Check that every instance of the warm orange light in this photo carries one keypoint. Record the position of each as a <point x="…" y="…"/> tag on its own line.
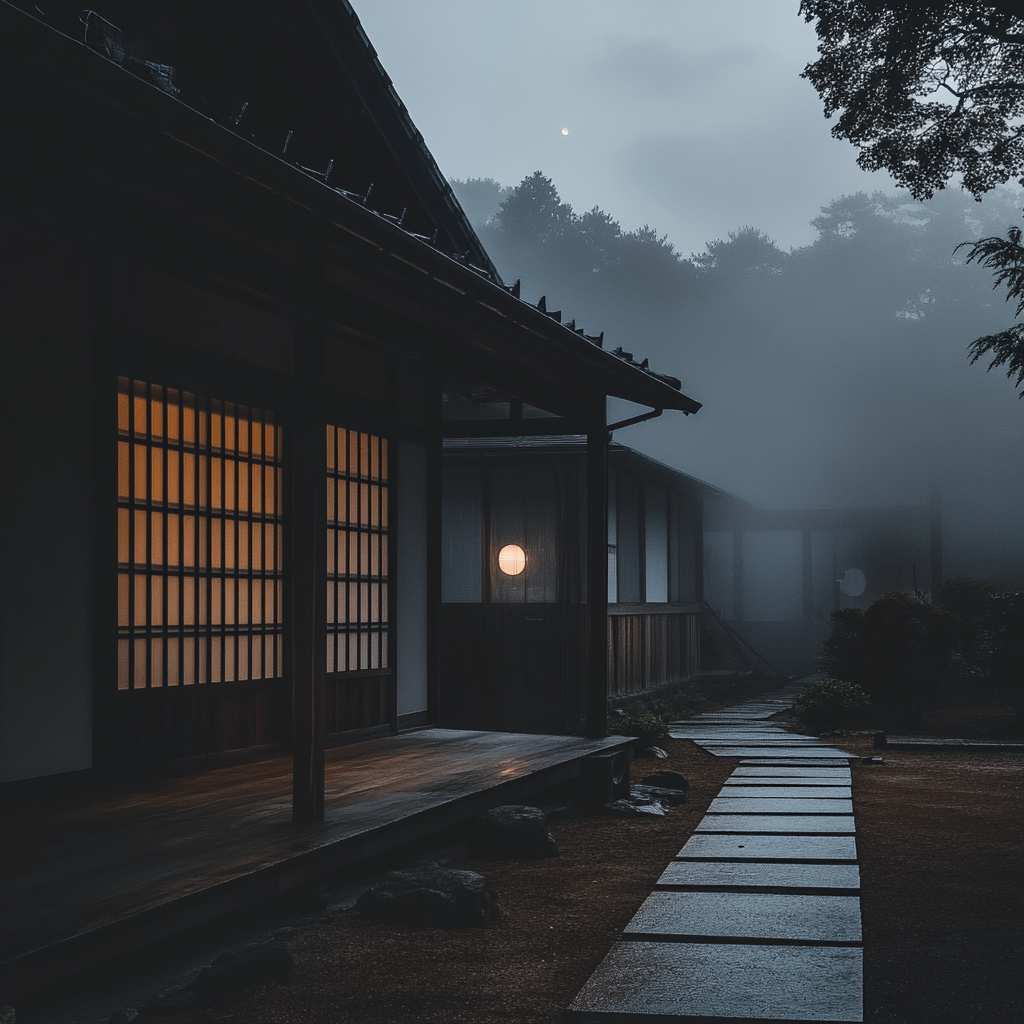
<point x="512" y="559"/>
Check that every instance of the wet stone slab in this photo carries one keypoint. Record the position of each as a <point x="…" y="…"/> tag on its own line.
<point x="783" y="772"/>
<point x="812" y="791"/>
<point x="754" y="875"/>
<point x="778" y="805"/>
<point x="748" y="915"/>
<point x="666" y="981"/>
<point x="787" y="753"/>
<point x="741" y="846"/>
<point x="800" y="824"/>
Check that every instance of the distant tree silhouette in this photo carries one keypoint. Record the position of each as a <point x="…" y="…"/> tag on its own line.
<point x="479" y="197"/>
<point x="748" y="250"/>
<point x="533" y="211"/>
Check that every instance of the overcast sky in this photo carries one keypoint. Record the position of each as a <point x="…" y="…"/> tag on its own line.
<point x="687" y="116"/>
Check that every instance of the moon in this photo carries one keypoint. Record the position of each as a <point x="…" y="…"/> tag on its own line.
<point x="565" y="131"/>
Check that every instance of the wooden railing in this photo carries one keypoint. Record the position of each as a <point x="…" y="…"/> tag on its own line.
<point x="650" y="645"/>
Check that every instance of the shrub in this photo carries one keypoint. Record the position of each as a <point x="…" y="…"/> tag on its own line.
<point x="899" y="651"/>
<point x="828" y="703"/>
<point x="648" y="725"/>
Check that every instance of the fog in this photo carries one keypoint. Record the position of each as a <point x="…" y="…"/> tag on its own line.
<point x="829" y="349"/>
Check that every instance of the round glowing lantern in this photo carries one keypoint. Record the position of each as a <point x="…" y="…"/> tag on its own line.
<point x="512" y="559"/>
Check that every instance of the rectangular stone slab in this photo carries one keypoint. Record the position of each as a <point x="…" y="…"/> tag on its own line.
<point x="748" y="915"/>
<point x="788" y="753"/>
<point x="803" y="824"/>
<point x="757" y="875"/>
<point x="778" y="805"/>
<point x="811" y="791"/>
<point x="783" y="772"/>
<point x="769" y="745"/>
<point x="741" y="846"/>
<point x="666" y="981"/>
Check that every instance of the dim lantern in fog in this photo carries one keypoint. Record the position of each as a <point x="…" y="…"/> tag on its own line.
<point x="512" y="559"/>
<point x="853" y="583"/>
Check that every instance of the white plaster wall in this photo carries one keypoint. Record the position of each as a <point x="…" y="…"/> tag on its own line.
<point x="45" y="537"/>
<point x="412" y="578"/>
<point x="656" y="538"/>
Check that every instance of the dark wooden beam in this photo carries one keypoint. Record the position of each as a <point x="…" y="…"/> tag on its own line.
<point x="597" y="571"/>
<point x="308" y="618"/>
<point x="435" y="451"/>
<point x="514" y="428"/>
<point x="935" y="537"/>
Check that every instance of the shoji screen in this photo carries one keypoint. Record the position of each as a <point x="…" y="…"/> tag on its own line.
<point x="357" y="551"/>
<point x="199" y="539"/>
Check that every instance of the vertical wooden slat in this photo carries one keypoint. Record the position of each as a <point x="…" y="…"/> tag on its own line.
<point x="308" y="592"/>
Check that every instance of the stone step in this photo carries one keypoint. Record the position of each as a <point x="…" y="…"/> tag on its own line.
<point x="766" y="917"/>
<point x="786" y="753"/>
<point x="767" y="847"/>
<point x="780" y="805"/>
<point x="783" y="772"/>
<point x="779" y="824"/>
<point x="726" y="875"/>
<point x="689" y="981"/>
<point x="811" y="791"/>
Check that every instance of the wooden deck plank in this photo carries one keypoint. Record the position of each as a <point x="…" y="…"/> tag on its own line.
<point x="144" y="858"/>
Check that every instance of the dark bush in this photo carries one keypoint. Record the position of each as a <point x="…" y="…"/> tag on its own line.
<point x="829" y="703"/>
<point x="989" y="637"/>
<point x="899" y="651"/>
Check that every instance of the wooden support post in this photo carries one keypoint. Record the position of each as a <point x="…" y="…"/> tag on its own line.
<point x="308" y="591"/>
<point x="737" y="575"/>
<point x="435" y="452"/>
<point x="935" y="537"/>
<point x="698" y="549"/>
<point x="597" y="572"/>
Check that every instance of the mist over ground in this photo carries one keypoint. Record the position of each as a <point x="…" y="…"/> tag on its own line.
<point x="832" y="375"/>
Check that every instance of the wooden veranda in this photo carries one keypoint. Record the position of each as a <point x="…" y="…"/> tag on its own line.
<point x="95" y="870"/>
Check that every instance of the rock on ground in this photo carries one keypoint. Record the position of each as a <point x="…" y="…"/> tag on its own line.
<point x="432" y="896"/>
<point x="512" y="832"/>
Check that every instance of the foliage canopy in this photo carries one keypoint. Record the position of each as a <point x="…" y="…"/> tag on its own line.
<point x="925" y="91"/>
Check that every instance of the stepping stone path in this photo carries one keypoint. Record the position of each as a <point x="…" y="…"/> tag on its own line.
<point x="758" y="916"/>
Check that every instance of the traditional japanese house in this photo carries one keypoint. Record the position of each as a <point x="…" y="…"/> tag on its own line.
<point x="698" y="579"/>
<point x="513" y="576"/>
<point x="236" y="296"/>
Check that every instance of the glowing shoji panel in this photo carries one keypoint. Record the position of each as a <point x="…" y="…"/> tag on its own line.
<point x="199" y="539"/>
<point x="357" y="551"/>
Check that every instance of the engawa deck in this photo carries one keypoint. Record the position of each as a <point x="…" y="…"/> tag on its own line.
<point x="89" y="875"/>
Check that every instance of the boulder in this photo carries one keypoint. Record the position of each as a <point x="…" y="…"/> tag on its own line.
<point x="512" y="832"/>
<point x="666" y="779"/>
<point x="670" y="797"/>
<point x="432" y="896"/>
<point x="634" y="807"/>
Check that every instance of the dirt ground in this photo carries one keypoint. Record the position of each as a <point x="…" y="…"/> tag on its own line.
<point x="941" y="850"/>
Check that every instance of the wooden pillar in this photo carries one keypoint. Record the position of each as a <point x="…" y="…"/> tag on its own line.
<point x="597" y="572"/>
<point x="308" y="548"/>
<point x="698" y="550"/>
<point x="737" y="575"/>
<point x="935" y="537"/>
<point x="435" y="452"/>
